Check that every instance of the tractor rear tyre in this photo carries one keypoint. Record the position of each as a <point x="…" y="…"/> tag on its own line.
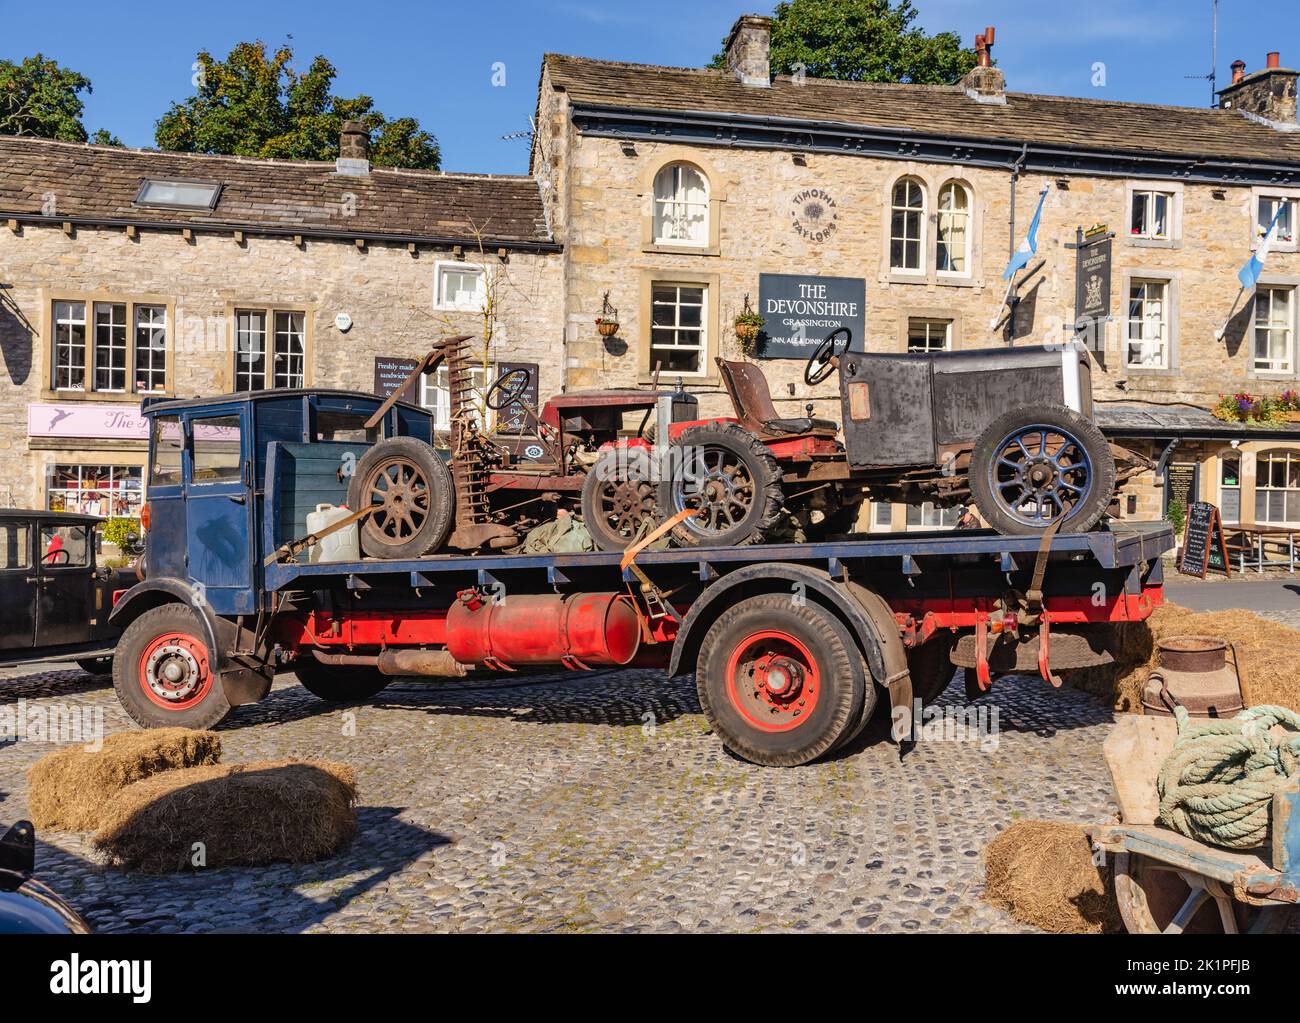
<point x="339" y="683"/>
<point x="1033" y="467"/>
<point x="780" y="682"/>
<point x="411" y="490"/>
<point x="730" y="479"/>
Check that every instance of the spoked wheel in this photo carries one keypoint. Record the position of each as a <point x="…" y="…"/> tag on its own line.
<point x="163" y="671"/>
<point x="410" y="487"/>
<point x="780" y="682"/>
<point x="618" y="500"/>
<point x="1156" y="899"/>
<point x="1032" y="468"/>
<point x="730" y="480"/>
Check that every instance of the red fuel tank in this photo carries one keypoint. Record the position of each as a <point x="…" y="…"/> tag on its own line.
<point x="576" y="630"/>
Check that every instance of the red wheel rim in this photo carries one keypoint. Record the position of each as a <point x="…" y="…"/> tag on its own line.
<point x="174" y="672"/>
<point x="773" y="681"/>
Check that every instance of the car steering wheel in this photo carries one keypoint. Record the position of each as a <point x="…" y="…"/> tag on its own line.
<point x="53" y="557"/>
<point x="509" y="393"/>
<point x="822" y="362"/>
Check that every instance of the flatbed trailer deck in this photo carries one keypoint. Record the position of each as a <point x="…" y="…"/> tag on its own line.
<point x="791" y="644"/>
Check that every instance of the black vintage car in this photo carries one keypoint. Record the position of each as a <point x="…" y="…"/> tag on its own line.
<point x="26" y="905"/>
<point x="54" y="598"/>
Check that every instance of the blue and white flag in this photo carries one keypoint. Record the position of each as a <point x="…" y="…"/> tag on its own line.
<point x="1029" y="247"/>
<point x="1249" y="274"/>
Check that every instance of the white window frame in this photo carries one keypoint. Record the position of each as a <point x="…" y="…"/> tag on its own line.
<point x="1151" y="196"/>
<point x="1223" y="488"/>
<point x="1166" y="337"/>
<point x="119" y="476"/>
<point x="922" y="215"/>
<point x="294" y="333"/>
<point x="1285" y="325"/>
<point x="156" y="360"/>
<point x="1285" y="242"/>
<point x="252" y="351"/>
<point x="677" y="327"/>
<point x="671" y="205"/>
<point x="477" y="304"/>
<point x="435" y="392"/>
<point x="274" y="348"/>
<point x="930" y="322"/>
<point x="1291" y="495"/>
<point x="929" y="509"/>
<point x="63" y="343"/>
<point x="966" y="216"/>
<point x="118" y="346"/>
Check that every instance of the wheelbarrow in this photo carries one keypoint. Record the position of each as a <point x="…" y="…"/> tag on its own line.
<point x="1167" y="883"/>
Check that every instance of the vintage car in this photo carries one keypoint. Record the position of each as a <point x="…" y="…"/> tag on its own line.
<point x="54" y="597"/>
<point x="26" y="905"/>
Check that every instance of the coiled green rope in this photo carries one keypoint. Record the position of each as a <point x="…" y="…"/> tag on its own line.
<point x="1217" y="785"/>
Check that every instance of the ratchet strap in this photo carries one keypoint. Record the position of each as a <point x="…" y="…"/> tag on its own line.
<point x="655" y="599"/>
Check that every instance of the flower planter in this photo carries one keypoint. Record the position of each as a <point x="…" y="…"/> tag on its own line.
<point x="607" y="328"/>
<point x="747" y="333"/>
<point x="1291" y="416"/>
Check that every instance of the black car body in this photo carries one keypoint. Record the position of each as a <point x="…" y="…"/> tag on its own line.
<point x="54" y="598"/>
<point x="26" y="905"/>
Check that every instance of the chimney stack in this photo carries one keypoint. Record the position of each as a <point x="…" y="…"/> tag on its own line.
<point x="749" y="50"/>
<point x="354" y="150"/>
<point x="1267" y="96"/>
<point x="984" y="83"/>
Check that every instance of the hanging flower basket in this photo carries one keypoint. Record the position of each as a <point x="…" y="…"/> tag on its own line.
<point x="748" y="326"/>
<point x="607" y="328"/>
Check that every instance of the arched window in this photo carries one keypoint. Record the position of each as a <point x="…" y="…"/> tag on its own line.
<point x="681" y="214"/>
<point x="953" y="252"/>
<point x="1277" y="488"/>
<point x="907" y="227"/>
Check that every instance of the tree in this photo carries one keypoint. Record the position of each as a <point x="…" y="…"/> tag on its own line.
<point x="254" y="103"/>
<point x="37" y="97"/>
<point x="862" y="41"/>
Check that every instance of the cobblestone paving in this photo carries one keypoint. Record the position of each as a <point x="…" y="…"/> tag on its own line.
<point x="553" y="805"/>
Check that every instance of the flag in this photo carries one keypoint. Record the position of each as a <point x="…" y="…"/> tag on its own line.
<point x="1249" y="274"/>
<point x="1029" y="247"/>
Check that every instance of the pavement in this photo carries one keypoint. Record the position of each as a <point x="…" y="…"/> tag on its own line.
<point x="1274" y="596"/>
<point x="601" y="802"/>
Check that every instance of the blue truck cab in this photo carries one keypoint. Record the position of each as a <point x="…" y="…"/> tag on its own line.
<point x="205" y="494"/>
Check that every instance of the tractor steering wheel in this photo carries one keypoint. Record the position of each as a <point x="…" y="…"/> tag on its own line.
<point x="509" y="393"/>
<point x="823" y="362"/>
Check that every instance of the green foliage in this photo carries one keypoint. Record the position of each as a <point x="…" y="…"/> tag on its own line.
<point x="104" y="137"/>
<point x="116" y="529"/>
<point x="255" y="104"/>
<point x="749" y="318"/>
<point x="861" y="41"/>
<point x="1243" y="407"/>
<point x="37" y="97"/>
<point x="1177" y="515"/>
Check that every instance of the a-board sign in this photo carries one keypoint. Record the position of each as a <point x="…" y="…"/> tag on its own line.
<point x="515" y="418"/>
<point x="389" y="374"/>
<point x="1204" y="547"/>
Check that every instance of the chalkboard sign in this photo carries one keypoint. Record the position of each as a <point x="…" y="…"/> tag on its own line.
<point x="516" y="418"/>
<point x="1204" y="548"/>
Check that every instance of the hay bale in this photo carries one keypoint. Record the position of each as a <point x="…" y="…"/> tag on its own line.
<point x="69" y="789"/>
<point x="1270" y="656"/>
<point x="243" y="814"/>
<point x="1042" y="873"/>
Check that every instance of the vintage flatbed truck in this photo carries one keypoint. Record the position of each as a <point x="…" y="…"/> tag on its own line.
<point x="792" y="645"/>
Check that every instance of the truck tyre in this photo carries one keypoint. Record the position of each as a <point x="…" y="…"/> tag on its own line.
<point x="732" y="478"/>
<point x="931" y="668"/>
<point x="339" y="683"/>
<point x="164" y="673"/>
<point x="410" y="486"/>
<point x="779" y="682"/>
<point x="618" y="499"/>
<point x="1032" y="467"/>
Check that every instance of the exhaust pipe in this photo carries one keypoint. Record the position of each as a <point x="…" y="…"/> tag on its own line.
<point x="425" y="663"/>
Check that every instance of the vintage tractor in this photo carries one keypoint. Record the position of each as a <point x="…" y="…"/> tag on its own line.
<point x="490" y="490"/>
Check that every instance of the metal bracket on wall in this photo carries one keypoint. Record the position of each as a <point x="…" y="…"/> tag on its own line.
<point x="1163" y="462"/>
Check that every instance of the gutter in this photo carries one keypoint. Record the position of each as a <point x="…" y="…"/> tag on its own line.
<point x="217" y="227"/>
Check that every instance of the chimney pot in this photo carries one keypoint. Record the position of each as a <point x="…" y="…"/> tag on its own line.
<point x="1238" y="71"/>
<point x="354" y="150"/>
<point x="984" y="83"/>
<point x="749" y="50"/>
<point x="1274" y="59"/>
<point x="1268" y="95"/>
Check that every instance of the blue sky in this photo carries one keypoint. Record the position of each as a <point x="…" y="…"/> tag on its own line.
<point x="435" y="60"/>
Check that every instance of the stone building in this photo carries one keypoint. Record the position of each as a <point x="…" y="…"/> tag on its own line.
<point x="126" y="274"/>
<point x="680" y="195"/>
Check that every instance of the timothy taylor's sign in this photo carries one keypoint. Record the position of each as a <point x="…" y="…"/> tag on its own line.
<point x="798" y="312"/>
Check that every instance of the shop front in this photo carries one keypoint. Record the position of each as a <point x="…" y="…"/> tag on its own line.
<point x="93" y="457"/>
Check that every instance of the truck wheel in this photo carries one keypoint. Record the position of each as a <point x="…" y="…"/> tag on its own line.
<point x="163" y="671"/>
<point x="779" y="682"/>
<point x="339" y="683"/>
<point x="618" y="499"/>
<point x="931" y="668"/>
<point x="1032" y="467"/>
<point x="410" y="486"/>
<point x="730" y="478"/>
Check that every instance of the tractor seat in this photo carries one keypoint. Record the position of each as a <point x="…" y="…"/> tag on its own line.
<point x="752" y="399"/>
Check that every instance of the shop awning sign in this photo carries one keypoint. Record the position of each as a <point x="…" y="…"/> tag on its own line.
<point x="114" y="422"/>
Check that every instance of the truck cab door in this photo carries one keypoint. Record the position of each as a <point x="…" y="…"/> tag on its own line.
<point x="219" y="510"/>
<point x="65" y="596"/>
<point x="19" y="586"/>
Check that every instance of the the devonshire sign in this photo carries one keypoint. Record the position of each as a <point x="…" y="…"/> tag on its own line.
<point x="798" y="312"/>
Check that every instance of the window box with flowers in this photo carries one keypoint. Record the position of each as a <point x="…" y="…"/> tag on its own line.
<point x="1246" y="408"/>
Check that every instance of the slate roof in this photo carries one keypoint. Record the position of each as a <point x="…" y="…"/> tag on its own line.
<point x="947" y="111"/>
<point x="1148" y="419"/>
<point x="101" y="183"/>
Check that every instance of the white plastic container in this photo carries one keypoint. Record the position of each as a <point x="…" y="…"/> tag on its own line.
<point x="343" y="544"/>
